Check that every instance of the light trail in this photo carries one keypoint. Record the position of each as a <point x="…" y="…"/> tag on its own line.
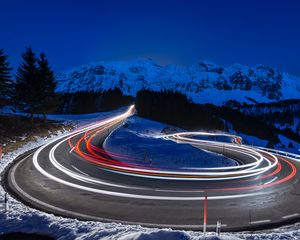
<point x="260" y="164"/>
<point x="74" y="176"/>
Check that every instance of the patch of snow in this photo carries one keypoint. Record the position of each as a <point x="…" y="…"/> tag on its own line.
<point x="220" y="97"/>
<point x="290" y="86"/>
<point x="251" y="140"/>
<point x="134" y="140"/>
<point x="284" y="146"/>
<point x="80" y="119"/>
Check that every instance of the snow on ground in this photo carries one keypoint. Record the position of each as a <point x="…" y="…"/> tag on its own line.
<point x="137" y="139"/>
<point x="251" y="140"/>
<point x="21" y="218"/>
<point x="79" y="119"/>
<point x="284" y="146"/>
<point x="220" y="97"/>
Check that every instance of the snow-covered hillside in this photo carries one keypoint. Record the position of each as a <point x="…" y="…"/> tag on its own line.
<point x="138" y="139"/>
<point x="204" y="82"/>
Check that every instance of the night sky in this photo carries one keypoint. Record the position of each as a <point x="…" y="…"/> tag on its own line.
<point x="76" y="32"/>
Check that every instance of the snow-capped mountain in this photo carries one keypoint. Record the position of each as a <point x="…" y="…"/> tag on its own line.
<point x="204" y="82"/>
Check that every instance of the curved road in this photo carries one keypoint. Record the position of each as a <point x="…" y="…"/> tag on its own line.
<point x="73" y="176"/>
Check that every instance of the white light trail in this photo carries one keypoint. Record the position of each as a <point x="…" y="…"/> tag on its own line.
<point x="260" y="164"/>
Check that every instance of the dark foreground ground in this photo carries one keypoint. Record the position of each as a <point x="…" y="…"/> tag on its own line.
<point x="24" y="236"/>
<point x="16" y="131"/>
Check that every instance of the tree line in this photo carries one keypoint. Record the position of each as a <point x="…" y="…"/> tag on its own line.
<point x="88" y="102"/>
<point x="32" y="89"/>
<point x="176" y="109"/>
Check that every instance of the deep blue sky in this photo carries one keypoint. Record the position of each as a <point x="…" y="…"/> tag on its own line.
<point x="75" y="32"/>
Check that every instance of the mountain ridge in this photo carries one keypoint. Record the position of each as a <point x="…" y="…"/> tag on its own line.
<point x="203" y="82"/>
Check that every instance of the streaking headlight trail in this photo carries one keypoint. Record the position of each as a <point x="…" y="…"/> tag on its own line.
<point x="74" y="175"/>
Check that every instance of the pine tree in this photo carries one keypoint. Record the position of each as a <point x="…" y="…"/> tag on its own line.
<point x="27" y="88"/>
<point x="46" y="81"/>
<point x="35" y="85"/>
<point x="6" y="83"/>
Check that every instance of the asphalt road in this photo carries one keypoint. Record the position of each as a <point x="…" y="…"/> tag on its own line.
<point x="65" y="178"/>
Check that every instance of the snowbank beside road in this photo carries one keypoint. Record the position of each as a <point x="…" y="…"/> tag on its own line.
<point x="80" y="118"/>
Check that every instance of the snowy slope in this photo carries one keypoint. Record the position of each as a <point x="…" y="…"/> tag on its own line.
<point x="204" y="82"/>
<point x="138" y="139"/>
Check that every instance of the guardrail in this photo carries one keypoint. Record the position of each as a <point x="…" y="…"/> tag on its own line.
<point x="282" y="153"/>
